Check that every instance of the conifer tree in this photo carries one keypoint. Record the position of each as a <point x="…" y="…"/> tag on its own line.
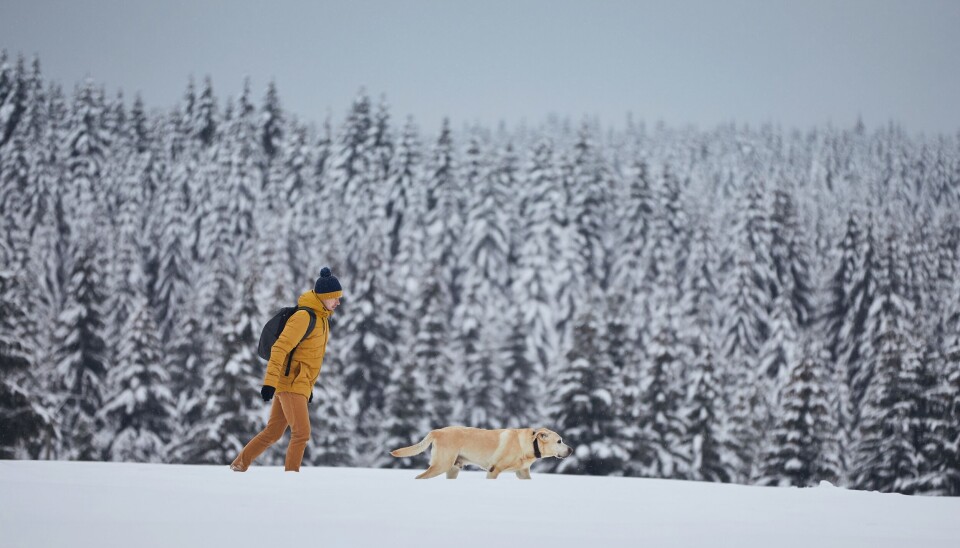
<point x="138" y="404"/>
<point x="518" y="375"/>
<point x="232" y="411"/>
<point x="583" y="407"/>
<point x="271" y="123"/>
<point x="432" y="350"/>
<point x="203" y="117"/>
<point x="590" y="198"/>
<point x="710" y="443"/>
<point x="80" y="342"/>
<point x="14" y="94"/>
<point x="885" y="454"/>
<point x="332" y="421"/>
<point x="407" y="397"/>
<point x="21" y="412"/>
<point x="789" y="253"/>
<point x="746" y="297"/>
<point x="403" y="206"/>
<point x="804" y="449"/>
<point x="484" y="264"/>
<point x="541" y="260"/>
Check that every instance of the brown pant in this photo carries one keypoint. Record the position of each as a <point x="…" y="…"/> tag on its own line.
<point x="288" y="409"/>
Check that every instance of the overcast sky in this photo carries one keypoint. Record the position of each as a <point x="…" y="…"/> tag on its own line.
<point x="794" y="63"/>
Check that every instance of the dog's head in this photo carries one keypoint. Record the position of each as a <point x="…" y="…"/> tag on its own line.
<point x="551" y="444"/>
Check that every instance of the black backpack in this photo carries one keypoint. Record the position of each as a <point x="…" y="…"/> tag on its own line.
<point x="271" y="332"/>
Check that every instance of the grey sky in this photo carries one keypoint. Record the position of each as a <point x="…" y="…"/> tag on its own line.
<point x="798" y="64"/>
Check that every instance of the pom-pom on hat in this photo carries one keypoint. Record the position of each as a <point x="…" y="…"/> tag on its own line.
<point x="327" y="286"/>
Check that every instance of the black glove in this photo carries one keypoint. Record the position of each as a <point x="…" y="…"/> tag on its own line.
<point x="267" y="392"/>
<point x="310" y="399"/>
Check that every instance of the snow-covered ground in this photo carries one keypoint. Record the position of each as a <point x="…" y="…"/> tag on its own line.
<point x="77" y="505"/>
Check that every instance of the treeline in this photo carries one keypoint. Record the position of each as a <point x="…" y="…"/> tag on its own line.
<point x="738" y="304"/>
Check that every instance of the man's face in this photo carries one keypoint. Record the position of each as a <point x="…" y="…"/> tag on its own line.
<point x="331" y="304"/>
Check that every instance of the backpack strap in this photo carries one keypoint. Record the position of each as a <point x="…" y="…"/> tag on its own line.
<point x="310" y="326"/>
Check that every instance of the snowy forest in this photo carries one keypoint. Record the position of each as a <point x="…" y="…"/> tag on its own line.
<point x="738" y="304"/>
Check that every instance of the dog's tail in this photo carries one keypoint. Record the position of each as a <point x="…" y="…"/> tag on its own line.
<point x="420" y="447"/>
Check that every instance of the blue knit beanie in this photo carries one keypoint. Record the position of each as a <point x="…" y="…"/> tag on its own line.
<point x="327" y="286"/>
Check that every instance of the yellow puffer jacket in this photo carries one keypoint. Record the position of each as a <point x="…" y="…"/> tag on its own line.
<point x="308" y="357"/>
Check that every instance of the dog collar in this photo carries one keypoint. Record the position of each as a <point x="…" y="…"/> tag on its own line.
<point x="536" y="448"/>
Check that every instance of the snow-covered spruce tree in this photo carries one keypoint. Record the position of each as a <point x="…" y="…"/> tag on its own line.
<point x="203" y="116"/>
<point x="661" y="415"/>
<point x="660" y="412"/>
<point x="542" y="260"/>
<point x="406" y="396"/>
<point x="232" y="411"/>
<point x="332" y="424"/>
<point x="803" y="448"/>
<point x="271" y="124"/>
<point x="444" y="212"/>
<point x="790" y="253"/>
<point x="746" y="299"/>
<point x="185" y="352"/>
<point x="710" y="446"/>
<point x="230" y="320"/>
<point x="951" y="458"/>
<point x="859" y="346"/>
<point x="40" y="140"/>
<point x="14" y="95"/>
<point x="228" y="233"/>
<point x="484" y="288"/>
<point x="628" y="308"/>
<point x="432" y="351"/>
<point x="933" y="426"/>
<point x="86" y="147"/>
<point x="16" y="176"/>
<point x="140" y="134"/>
<point x="382" y="143"/>
<point x="347" y="182"/>
<point x="404" y="205"/>
<point x="634" y="219"/>
<point x="293" y="178"/>
<point x="274" y="218"/>
<point x="170" y="232"/>
<point x="590" y="202"/>
<point x="125" y="270"/>
<point x="367" y="343"/>
<point x="885" y="455"/>
<point x="21" y="412"/>
<point x="840" y="304"/>
<point x="138" y="404"/>
<point x="776" y="357"/>
<point x="582" y="404"/>
<point x="80" y="342"/>
<point x="369" y="335"/>
<point x="519" y="375"/>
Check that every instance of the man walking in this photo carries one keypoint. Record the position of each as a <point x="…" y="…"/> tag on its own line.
<point x="292" y="382"/>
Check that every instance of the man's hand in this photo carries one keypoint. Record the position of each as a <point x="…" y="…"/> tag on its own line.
<point x="267" y="392"/>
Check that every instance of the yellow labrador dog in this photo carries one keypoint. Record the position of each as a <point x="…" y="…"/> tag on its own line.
<point x="495" y="451"/>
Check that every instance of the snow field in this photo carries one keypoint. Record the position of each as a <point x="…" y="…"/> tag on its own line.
<point x="79" y="505"/>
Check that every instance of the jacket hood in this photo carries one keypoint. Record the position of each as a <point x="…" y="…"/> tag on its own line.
<point x="309" y="299"/>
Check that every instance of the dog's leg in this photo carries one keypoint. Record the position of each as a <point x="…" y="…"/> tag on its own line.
<point x="523" y="474"/>
<point x="440" y="462"/>
<point x="455" y="469"/>
<point x="431" y="472"/>
<point x="493" y="473"/>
